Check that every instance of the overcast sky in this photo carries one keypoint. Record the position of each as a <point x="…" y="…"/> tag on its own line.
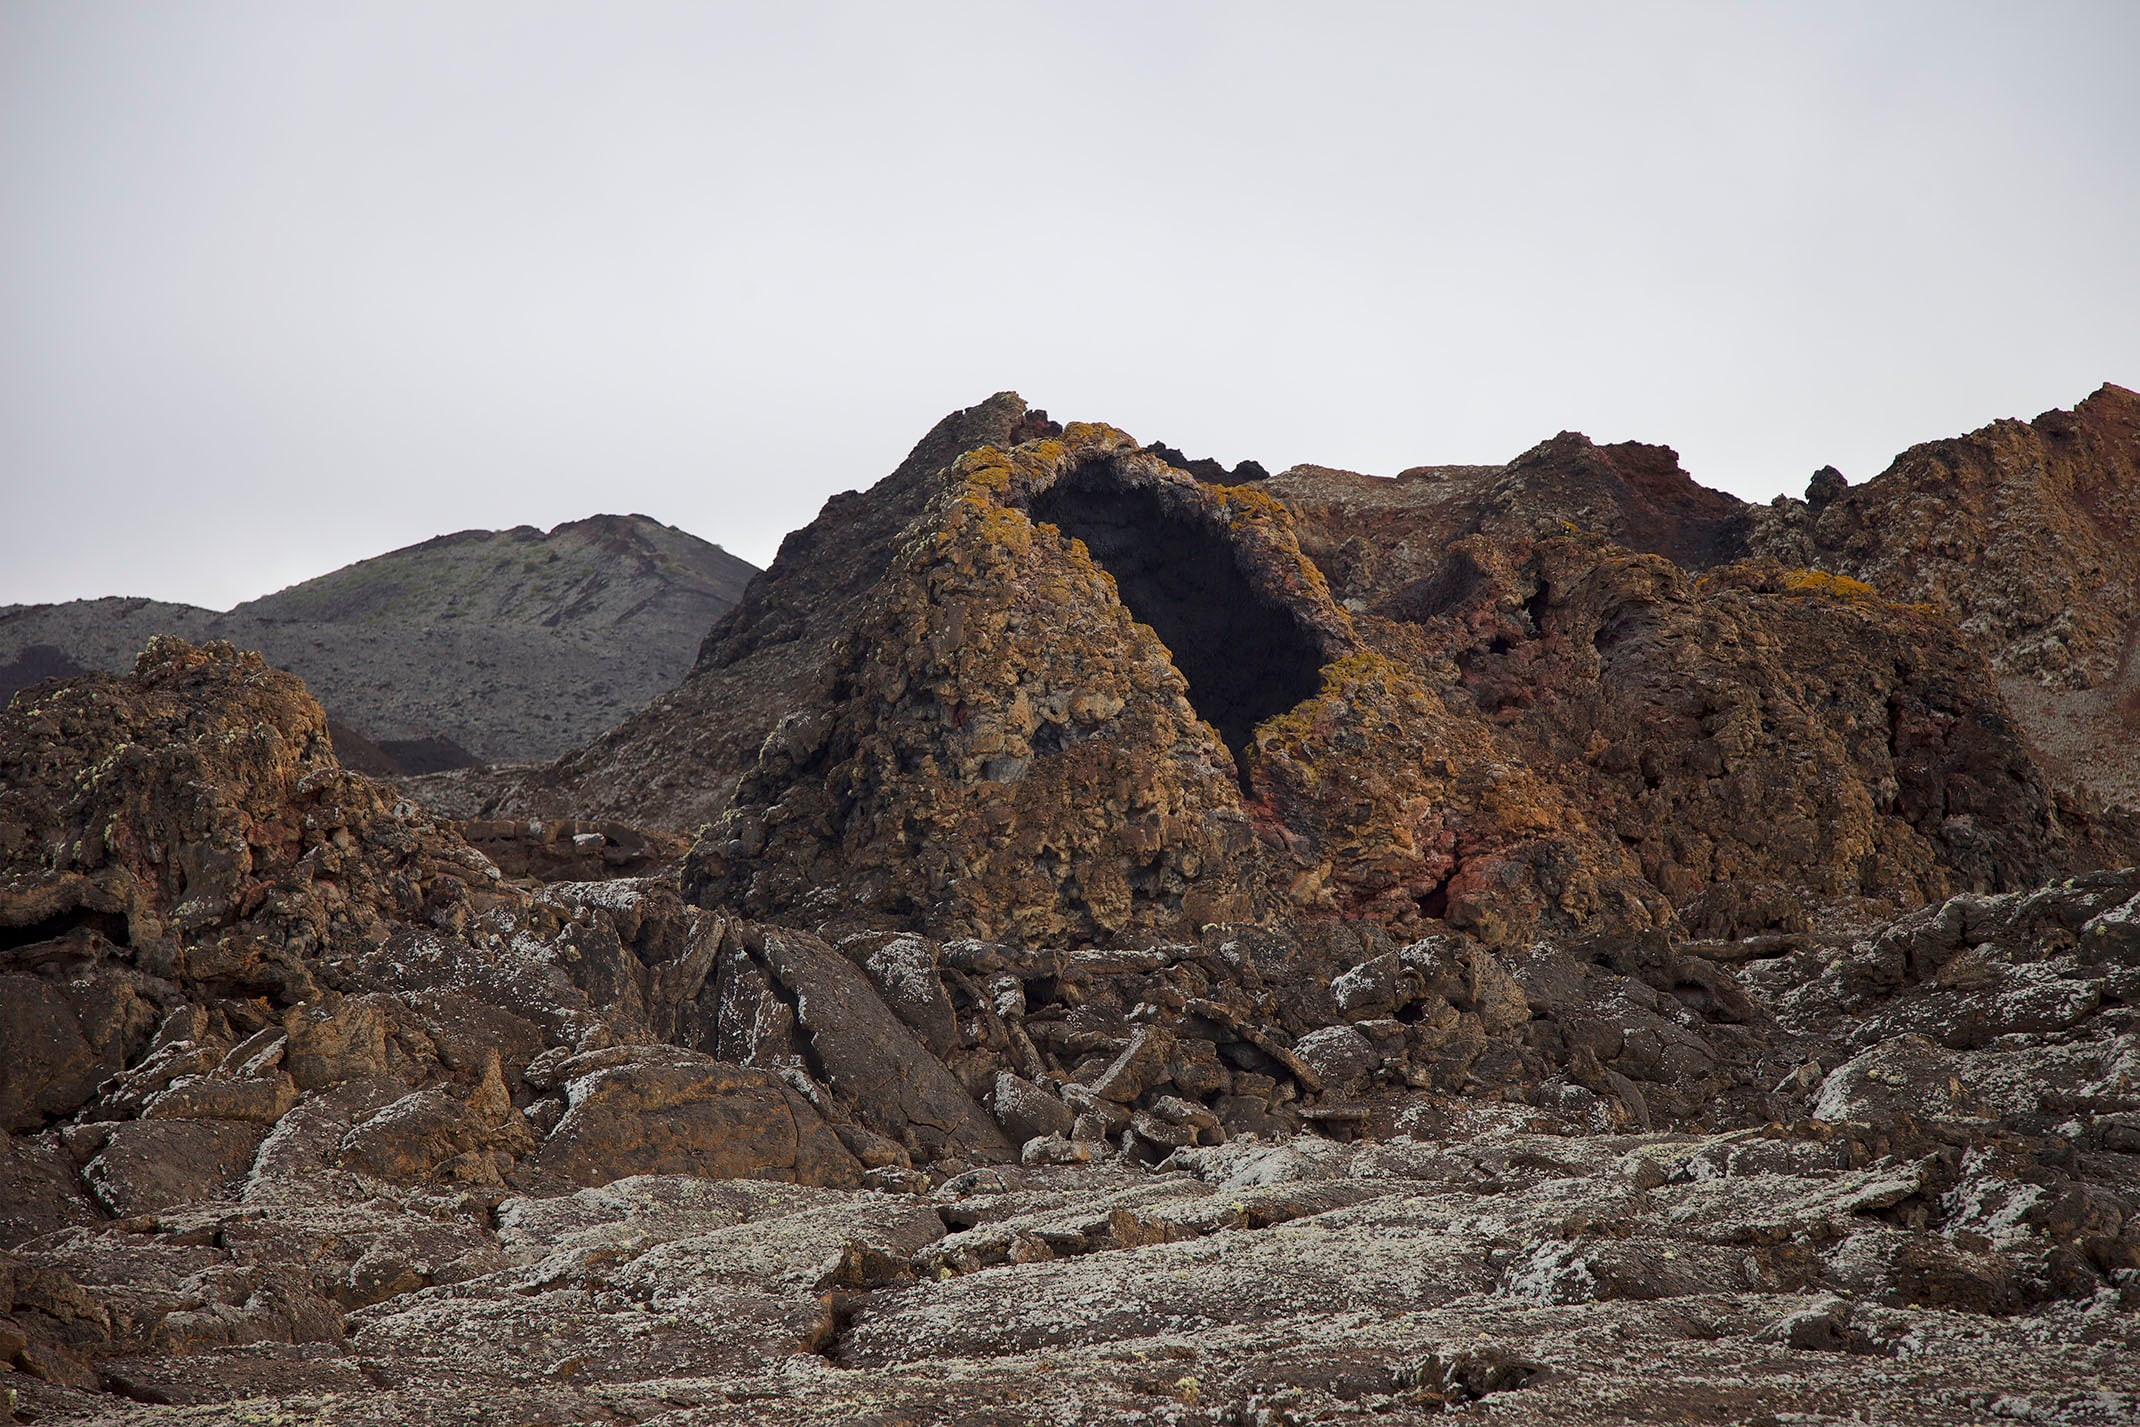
<point x="283" y="285"/>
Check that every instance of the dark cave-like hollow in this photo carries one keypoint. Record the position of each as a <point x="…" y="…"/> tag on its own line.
<point x="109" y="925"/>
<point x="1245" y="656"/>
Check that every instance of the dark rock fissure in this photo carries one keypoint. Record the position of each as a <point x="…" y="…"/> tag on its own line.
<point x="1245" y="657"/>
<point x="109" y="925"/>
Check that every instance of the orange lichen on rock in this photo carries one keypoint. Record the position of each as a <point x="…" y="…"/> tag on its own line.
<point x="1095" y="698"/>
<point x="1389" y="807"/>
<point x="1016" y="755"/>
<point x="1821" y="582"/>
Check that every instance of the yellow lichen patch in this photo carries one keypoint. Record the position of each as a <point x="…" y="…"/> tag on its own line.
<point x="998" y="527"/>
<point x="1096" y="434"/>
<point x="1295" y="731"/>
<point x="1820" y="582"/>
<point x="1249" y="503"/>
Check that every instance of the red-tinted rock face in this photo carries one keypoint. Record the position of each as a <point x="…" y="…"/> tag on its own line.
<point x="1634" y="495"/>
<point x="2028" y="531"/>
<point x="1056" y="687"/>
<point x="1046" y="714"/>
<point x="1770" y="744"/>
<point x="1374" y="537"/>
<point x="1767" y="743"/>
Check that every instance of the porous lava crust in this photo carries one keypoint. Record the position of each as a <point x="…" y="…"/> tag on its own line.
<point x="308" y="1112"/>
<point x="1093" y="697"/>
<point x="1492" y="941"/>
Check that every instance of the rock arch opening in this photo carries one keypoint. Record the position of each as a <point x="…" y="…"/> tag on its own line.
<point x="1244" y="655"/>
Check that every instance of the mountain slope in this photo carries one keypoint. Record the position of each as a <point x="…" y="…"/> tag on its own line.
<point x="483" y="646"/>
<point x="587" y="576"/>
<point x="674" y="763"/>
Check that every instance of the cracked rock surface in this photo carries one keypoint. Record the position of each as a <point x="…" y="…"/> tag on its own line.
<point x="313" y="1115"/>
<point x="1545" y="942"/>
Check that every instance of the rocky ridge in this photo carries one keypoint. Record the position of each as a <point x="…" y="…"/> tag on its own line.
<point x="1498" y="940"/>
<point x="311" y="1109"/>
<point x="1579" y="690"/>
<point x="483" y="646"/>
<point x="2030" y="533"/>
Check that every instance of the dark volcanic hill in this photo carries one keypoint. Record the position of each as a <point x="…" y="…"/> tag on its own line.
<point x="1580" y="686"/>
<point x="481" y="646"/>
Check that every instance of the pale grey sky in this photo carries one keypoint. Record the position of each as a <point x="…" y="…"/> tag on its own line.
<point x="286" y="284"/>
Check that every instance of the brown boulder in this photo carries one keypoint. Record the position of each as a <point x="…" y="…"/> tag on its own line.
<point x="870" y="1058"/>
<point x="147" y="1165"/>
<point x="327" y="1047"/>
<point x="39" y="1192"/>
<point x="47" y="1068"/>
<point x="470" y="1138"/>
<point x="662" y="1110"/>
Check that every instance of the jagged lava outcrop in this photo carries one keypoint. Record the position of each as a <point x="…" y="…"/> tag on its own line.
<point x="307" y="1110"/>
<point x="1041" y="682"/>
<point x="1772" y="743"/>
<point x="1163" y="948"/>
<point x="2030" y="533"/>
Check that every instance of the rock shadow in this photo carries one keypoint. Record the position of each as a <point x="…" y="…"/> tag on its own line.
<point x="1244" y="655"/>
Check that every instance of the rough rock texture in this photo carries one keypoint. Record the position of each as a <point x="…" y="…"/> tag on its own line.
<point x="1092" y="697"/>
<point x="1765" y="741"/>
<point x="212" y="934"/>
<point x="1774" y="744"/>
<point x="1150" y="968"/>
<point x="483" y="646"/>
<point x="1043" y="684"/>
<point x="674" y="763"/>
<point x="2030" y="533"/>
<point x="1932" y="1214"/>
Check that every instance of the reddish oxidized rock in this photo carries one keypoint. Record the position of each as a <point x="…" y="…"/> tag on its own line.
<point x="1046" y="715"/>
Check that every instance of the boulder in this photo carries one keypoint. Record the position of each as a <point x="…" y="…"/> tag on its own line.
<point x="327" y="1046"/>
<point x="1905" y="1075"/>
<point x="1340" y="1056"/>
<point x="869" y="1056"/>
<point x="904" y="971"/>
<point x="663" y="1110"/>
<point x="39" y="1191"/>
<point x="1027" y="1112"/>
<point x="148" y="1165"/>
<point x="47" y="1068"/>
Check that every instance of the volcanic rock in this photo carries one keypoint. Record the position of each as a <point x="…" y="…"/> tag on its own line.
<point x="1042" y="685"/>
<point x="2029" y="532"/>
<point x="655" y="1110"/>
<point x="1772" y="744"/>
<point x="1081" y="1006"/>
<point x="1092" y="697"/>
<point x="389" y="1284"/>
